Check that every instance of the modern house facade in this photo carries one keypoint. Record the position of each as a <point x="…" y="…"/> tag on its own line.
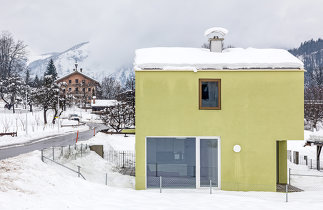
<point x="216" y="116"/>
<point x="79" y="85"/>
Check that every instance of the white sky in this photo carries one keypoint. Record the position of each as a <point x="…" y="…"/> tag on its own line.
<point x="116" y="28"/>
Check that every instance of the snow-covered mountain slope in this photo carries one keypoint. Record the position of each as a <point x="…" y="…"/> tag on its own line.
<point x="64" y="62"/>
<point x="311" y="53"/>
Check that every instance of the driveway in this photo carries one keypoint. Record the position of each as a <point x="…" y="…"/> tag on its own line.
<point x="49" y="141"/>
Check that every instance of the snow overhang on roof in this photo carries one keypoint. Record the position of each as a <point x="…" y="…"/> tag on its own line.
<point x="104" y="103"/>
<point x="176" y="58"/>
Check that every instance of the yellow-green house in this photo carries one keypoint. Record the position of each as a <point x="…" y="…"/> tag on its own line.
<point x="222" y="118"/>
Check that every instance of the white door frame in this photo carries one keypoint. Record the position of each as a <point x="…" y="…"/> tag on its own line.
<point x="198" y="161"/>
<point x="197" y="156"/>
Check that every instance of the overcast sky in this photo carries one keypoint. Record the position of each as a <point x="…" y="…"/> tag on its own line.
<point x="116" y="28"/>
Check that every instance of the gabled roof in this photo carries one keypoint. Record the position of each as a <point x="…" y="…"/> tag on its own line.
<point x="76" y="72"/>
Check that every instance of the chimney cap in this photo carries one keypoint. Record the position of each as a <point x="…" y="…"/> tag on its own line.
<point x="216" y="32"/>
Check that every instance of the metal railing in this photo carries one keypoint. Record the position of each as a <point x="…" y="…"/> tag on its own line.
<point x="72" y="150"/>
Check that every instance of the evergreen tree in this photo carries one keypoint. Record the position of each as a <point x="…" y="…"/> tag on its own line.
<point x="51" y="70"/>
<point x="47" y="94"/>
<point x="36" y="82"/>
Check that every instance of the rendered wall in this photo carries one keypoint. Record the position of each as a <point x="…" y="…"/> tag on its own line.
<point x="282" y="162"/>
<point x="257" y="109"/>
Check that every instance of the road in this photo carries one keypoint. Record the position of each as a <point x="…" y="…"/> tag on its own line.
<point x="46" y="142"/>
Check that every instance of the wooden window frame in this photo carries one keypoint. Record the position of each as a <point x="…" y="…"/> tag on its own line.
<point x="200" y="94"/>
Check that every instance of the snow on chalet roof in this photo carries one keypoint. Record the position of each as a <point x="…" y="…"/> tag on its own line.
<point x="177" y="58"/>
<point x="76" y="72"/>
<point x="104" y="103"/>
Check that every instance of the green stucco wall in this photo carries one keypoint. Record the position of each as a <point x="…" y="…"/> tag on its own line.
<point x="257" y="109"/>
<point x="282" y="149"/>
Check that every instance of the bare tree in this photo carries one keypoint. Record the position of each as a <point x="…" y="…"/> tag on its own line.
<point x="110" y="88"/>
<point x="12" y="61"/>
<point x="118" y="117"/>
<point x="12" y="55"/>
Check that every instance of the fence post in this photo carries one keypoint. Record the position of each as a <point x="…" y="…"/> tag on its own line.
<point x="69" y="150"/>
<point x="106" y="178"/>
<point x="289" y="170"/>
<point x="311" y="163"/>
<point x="53" y="153"/>
<point x="78" y="170"/>
<point x="160" y="184"/>
<point x="286" y="192"/>
<point x="62" y="150"/>
<point x="210" y="186"/>
<point x="42" y="155"/>
<point x="123" y="153"/>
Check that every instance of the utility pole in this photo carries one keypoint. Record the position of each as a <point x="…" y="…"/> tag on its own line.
<point x="26" y="112"/>
<point x="58" y="110"/>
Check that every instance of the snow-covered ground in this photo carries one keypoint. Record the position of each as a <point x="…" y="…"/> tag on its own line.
<point x="28" y="183"/>
<point x="115" y="142"/>
<point x="34" y="127"/>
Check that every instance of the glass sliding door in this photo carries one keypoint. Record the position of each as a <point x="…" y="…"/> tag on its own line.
<point x="208" y="162"/>
<point x="173" y="159"/>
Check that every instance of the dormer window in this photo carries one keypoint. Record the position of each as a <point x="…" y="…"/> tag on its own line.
<point x="210" y="94"/>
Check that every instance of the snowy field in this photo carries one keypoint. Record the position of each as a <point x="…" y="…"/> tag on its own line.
<point x="28" y="183"/>
<point x="34" y="127"/>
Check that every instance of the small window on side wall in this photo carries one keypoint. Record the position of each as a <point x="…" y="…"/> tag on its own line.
<point x="210" y="94"/>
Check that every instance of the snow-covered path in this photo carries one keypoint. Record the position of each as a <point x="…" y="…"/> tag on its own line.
<point x="49" y="141"/>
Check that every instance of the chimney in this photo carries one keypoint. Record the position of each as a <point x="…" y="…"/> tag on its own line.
<point x="216" y="44"/>
<point x="76" y="64"/>
<point x="216" y="37"/>
<point x="80" y="69"/>
<point x="94" y="97"/>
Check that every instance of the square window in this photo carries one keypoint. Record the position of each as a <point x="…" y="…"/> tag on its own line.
<point x="76" y="89"/>
<point x="83" y="89"/>
<point x="69" y="81"/>
<point x="83" y="81"/>
<point x="76" y="81"/>
<point x="89" y="89"/>
<point x="210" y="94"/>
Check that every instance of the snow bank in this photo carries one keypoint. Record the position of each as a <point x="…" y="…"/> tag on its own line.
<point x="28" y="183"/>
<point x="116" y="142"/>
<point x="175" y="58"/>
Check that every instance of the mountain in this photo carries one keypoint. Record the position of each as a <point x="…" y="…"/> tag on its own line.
<point x="311" y="53"/>
<point x="65" y="63"/>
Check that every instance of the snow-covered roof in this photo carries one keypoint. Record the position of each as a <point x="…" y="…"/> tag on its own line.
<point x="178" y="58"/>
<point x="104" y="103"/>
<point x="76" y="72"/>
<point x="218" y="30"/>
<point x="316" y="137"/>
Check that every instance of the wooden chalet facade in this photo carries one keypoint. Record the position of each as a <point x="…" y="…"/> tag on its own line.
<point x="80" y="86"/>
